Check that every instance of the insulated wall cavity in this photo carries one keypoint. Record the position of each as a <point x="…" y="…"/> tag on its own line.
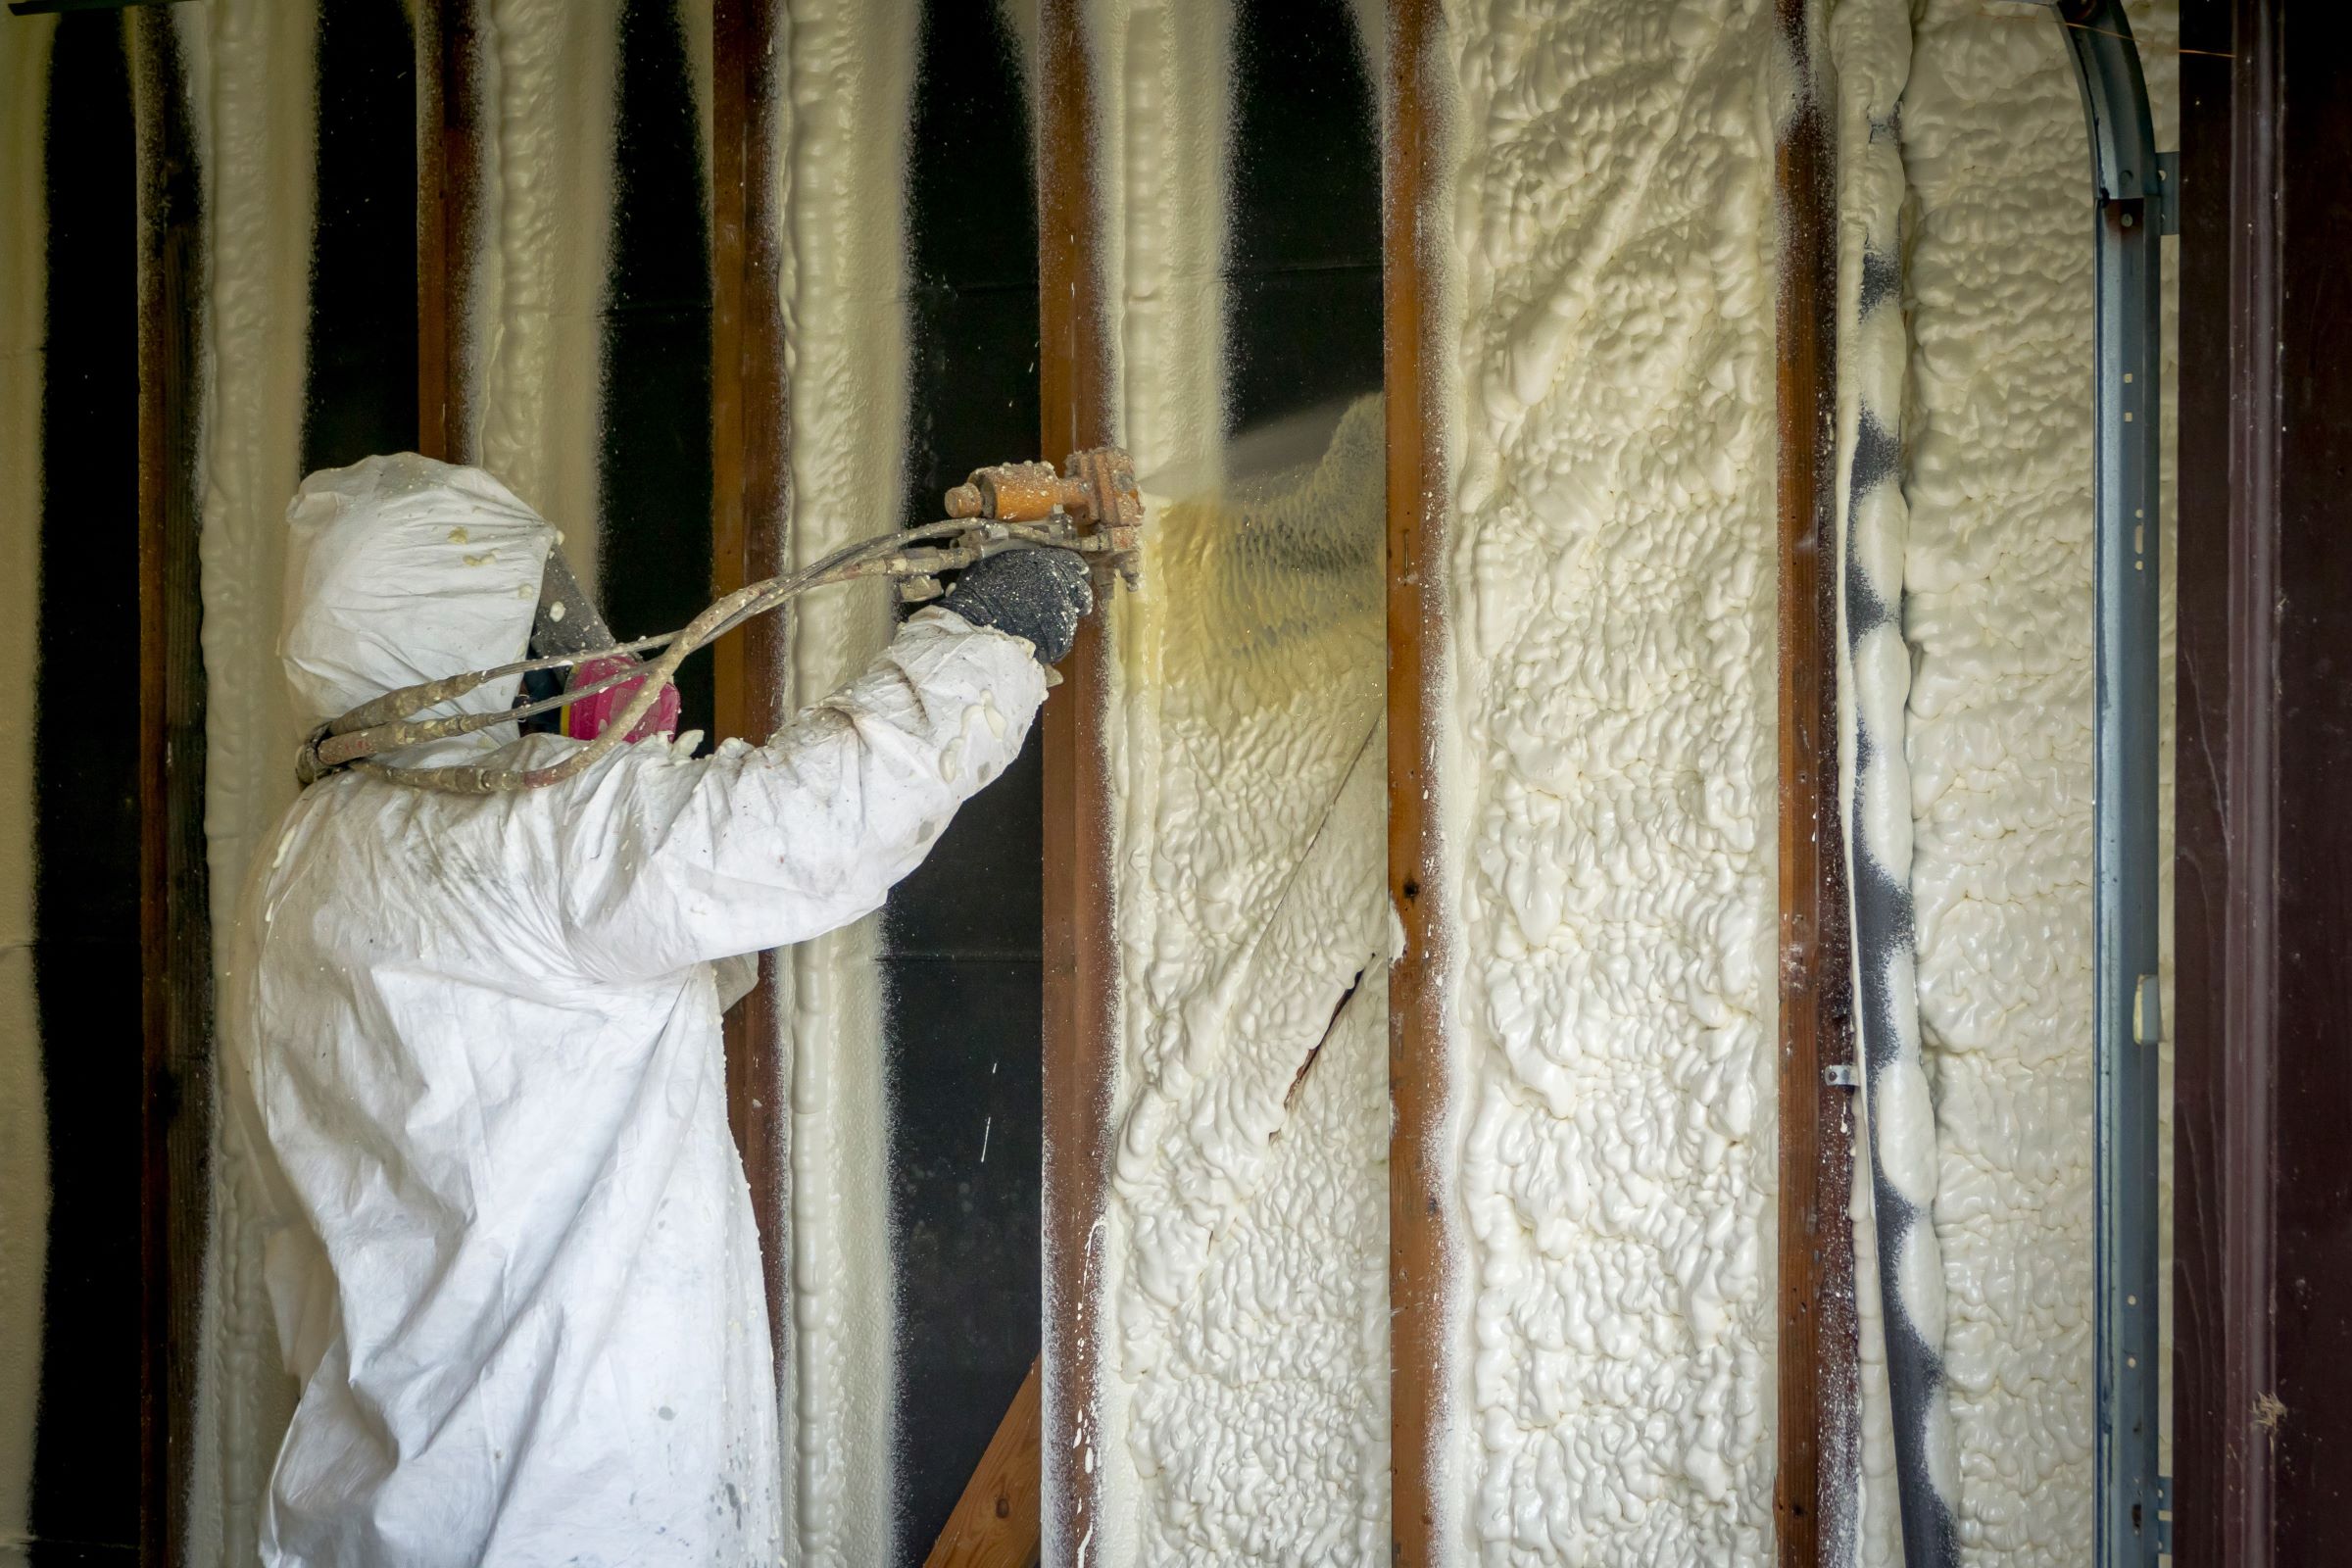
<point x="534" y="356"/>
<point x="1999" y="615"/>
<point x="1244" y="1370"/>
<point x="1246" y="1373"/>
<point x="1608" y="778"/>
<point x="850" y="77"/>
<point x="1161" y="75"/>
<point x="245" y="68"/>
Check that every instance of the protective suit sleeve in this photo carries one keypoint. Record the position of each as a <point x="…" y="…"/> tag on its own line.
<point x="663" y="865"/>
<point x="736" y="976"/>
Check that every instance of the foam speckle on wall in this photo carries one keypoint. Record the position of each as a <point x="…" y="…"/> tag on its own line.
<point x="1609" y="778"/>
<point x="23" y="1128"/>
<point x="1248" y="1222"/>
<point x="1900" y="1334"/>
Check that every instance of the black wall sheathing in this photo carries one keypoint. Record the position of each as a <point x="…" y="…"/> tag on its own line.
<point x="1303" y="270"/>
<point x="654" y="463"/>
<point x="85" y="959"/>
<point x="962" y="968"/>
<point x="362" y="394"/>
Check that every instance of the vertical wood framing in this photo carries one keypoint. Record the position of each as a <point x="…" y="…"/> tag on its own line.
<point x="1080" y="975"/>
<point x="448" y="177"/>
<point x="751" y="500"/>
<point x="1816" y="1448"/>
<point x="176" y="958"/>
<point x="2236" y="590"/>
<point x="1419" y="1208"/>
<point x="2262" y="1341"/>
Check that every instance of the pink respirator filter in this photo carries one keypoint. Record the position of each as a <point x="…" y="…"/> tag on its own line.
<point x="587" y="718"/>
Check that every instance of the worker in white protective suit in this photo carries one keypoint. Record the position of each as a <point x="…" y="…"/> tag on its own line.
<point x="473" y="1044"/>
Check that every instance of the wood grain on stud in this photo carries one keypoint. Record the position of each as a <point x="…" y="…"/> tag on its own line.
<point x="1817" y="1463"/>
<point x="994" y="1524"/>
<point x="1419" y="1215"/>
<point x="1080" y="975"/>
<point x="750" y="505"/>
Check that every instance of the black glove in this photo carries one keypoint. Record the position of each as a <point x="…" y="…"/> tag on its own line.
<point x="1037" y="594"/>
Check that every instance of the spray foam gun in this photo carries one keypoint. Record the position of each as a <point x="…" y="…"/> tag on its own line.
<point x="1091" y="507"/>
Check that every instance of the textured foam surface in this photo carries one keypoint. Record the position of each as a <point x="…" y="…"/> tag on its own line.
<point x="1998" y="618"/>
<point x="249" y="66"/>
<point x="1164" y="73"/>
<point x="534" y="356"/>
<point x="1248" y="1213"/>
<point x="1611" y="778"/>
<point x="851" y="69"/>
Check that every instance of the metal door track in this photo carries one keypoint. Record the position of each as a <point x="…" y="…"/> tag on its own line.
<point x="2135" y="205"/>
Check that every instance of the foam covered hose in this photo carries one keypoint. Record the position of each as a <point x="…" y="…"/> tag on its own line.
<point x="1037" y="594"/>
<point x="593" y="714"/>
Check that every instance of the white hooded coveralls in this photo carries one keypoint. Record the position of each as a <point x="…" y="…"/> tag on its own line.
<point x="474" y="1044"/>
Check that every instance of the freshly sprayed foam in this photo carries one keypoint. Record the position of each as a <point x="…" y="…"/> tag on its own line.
<point x="1164" y="80"/>
<point x="535" y="354"/>
<point x="1246" y="1252"/>
<point x="1609" y="778"/>
<point x="1162" y="169"/>
<point x="248" y="66"/>
<point x="1999" y="615"/>
<point x="850" y="79"/>
<point x="23" y="1124"/>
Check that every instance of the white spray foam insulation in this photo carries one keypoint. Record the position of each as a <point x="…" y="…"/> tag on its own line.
<point x="1164" y="78"/>
<point x="1609" y="778"/>
<point x="24" y="1121"/>
<point x="851" y="82"/>
<point x="1245" y="1334"/>
<point x="534" y="355"/>
<point x="248" y="70"/>
<point x="1998" y="616"/>
<point x="1165" y="75"/>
